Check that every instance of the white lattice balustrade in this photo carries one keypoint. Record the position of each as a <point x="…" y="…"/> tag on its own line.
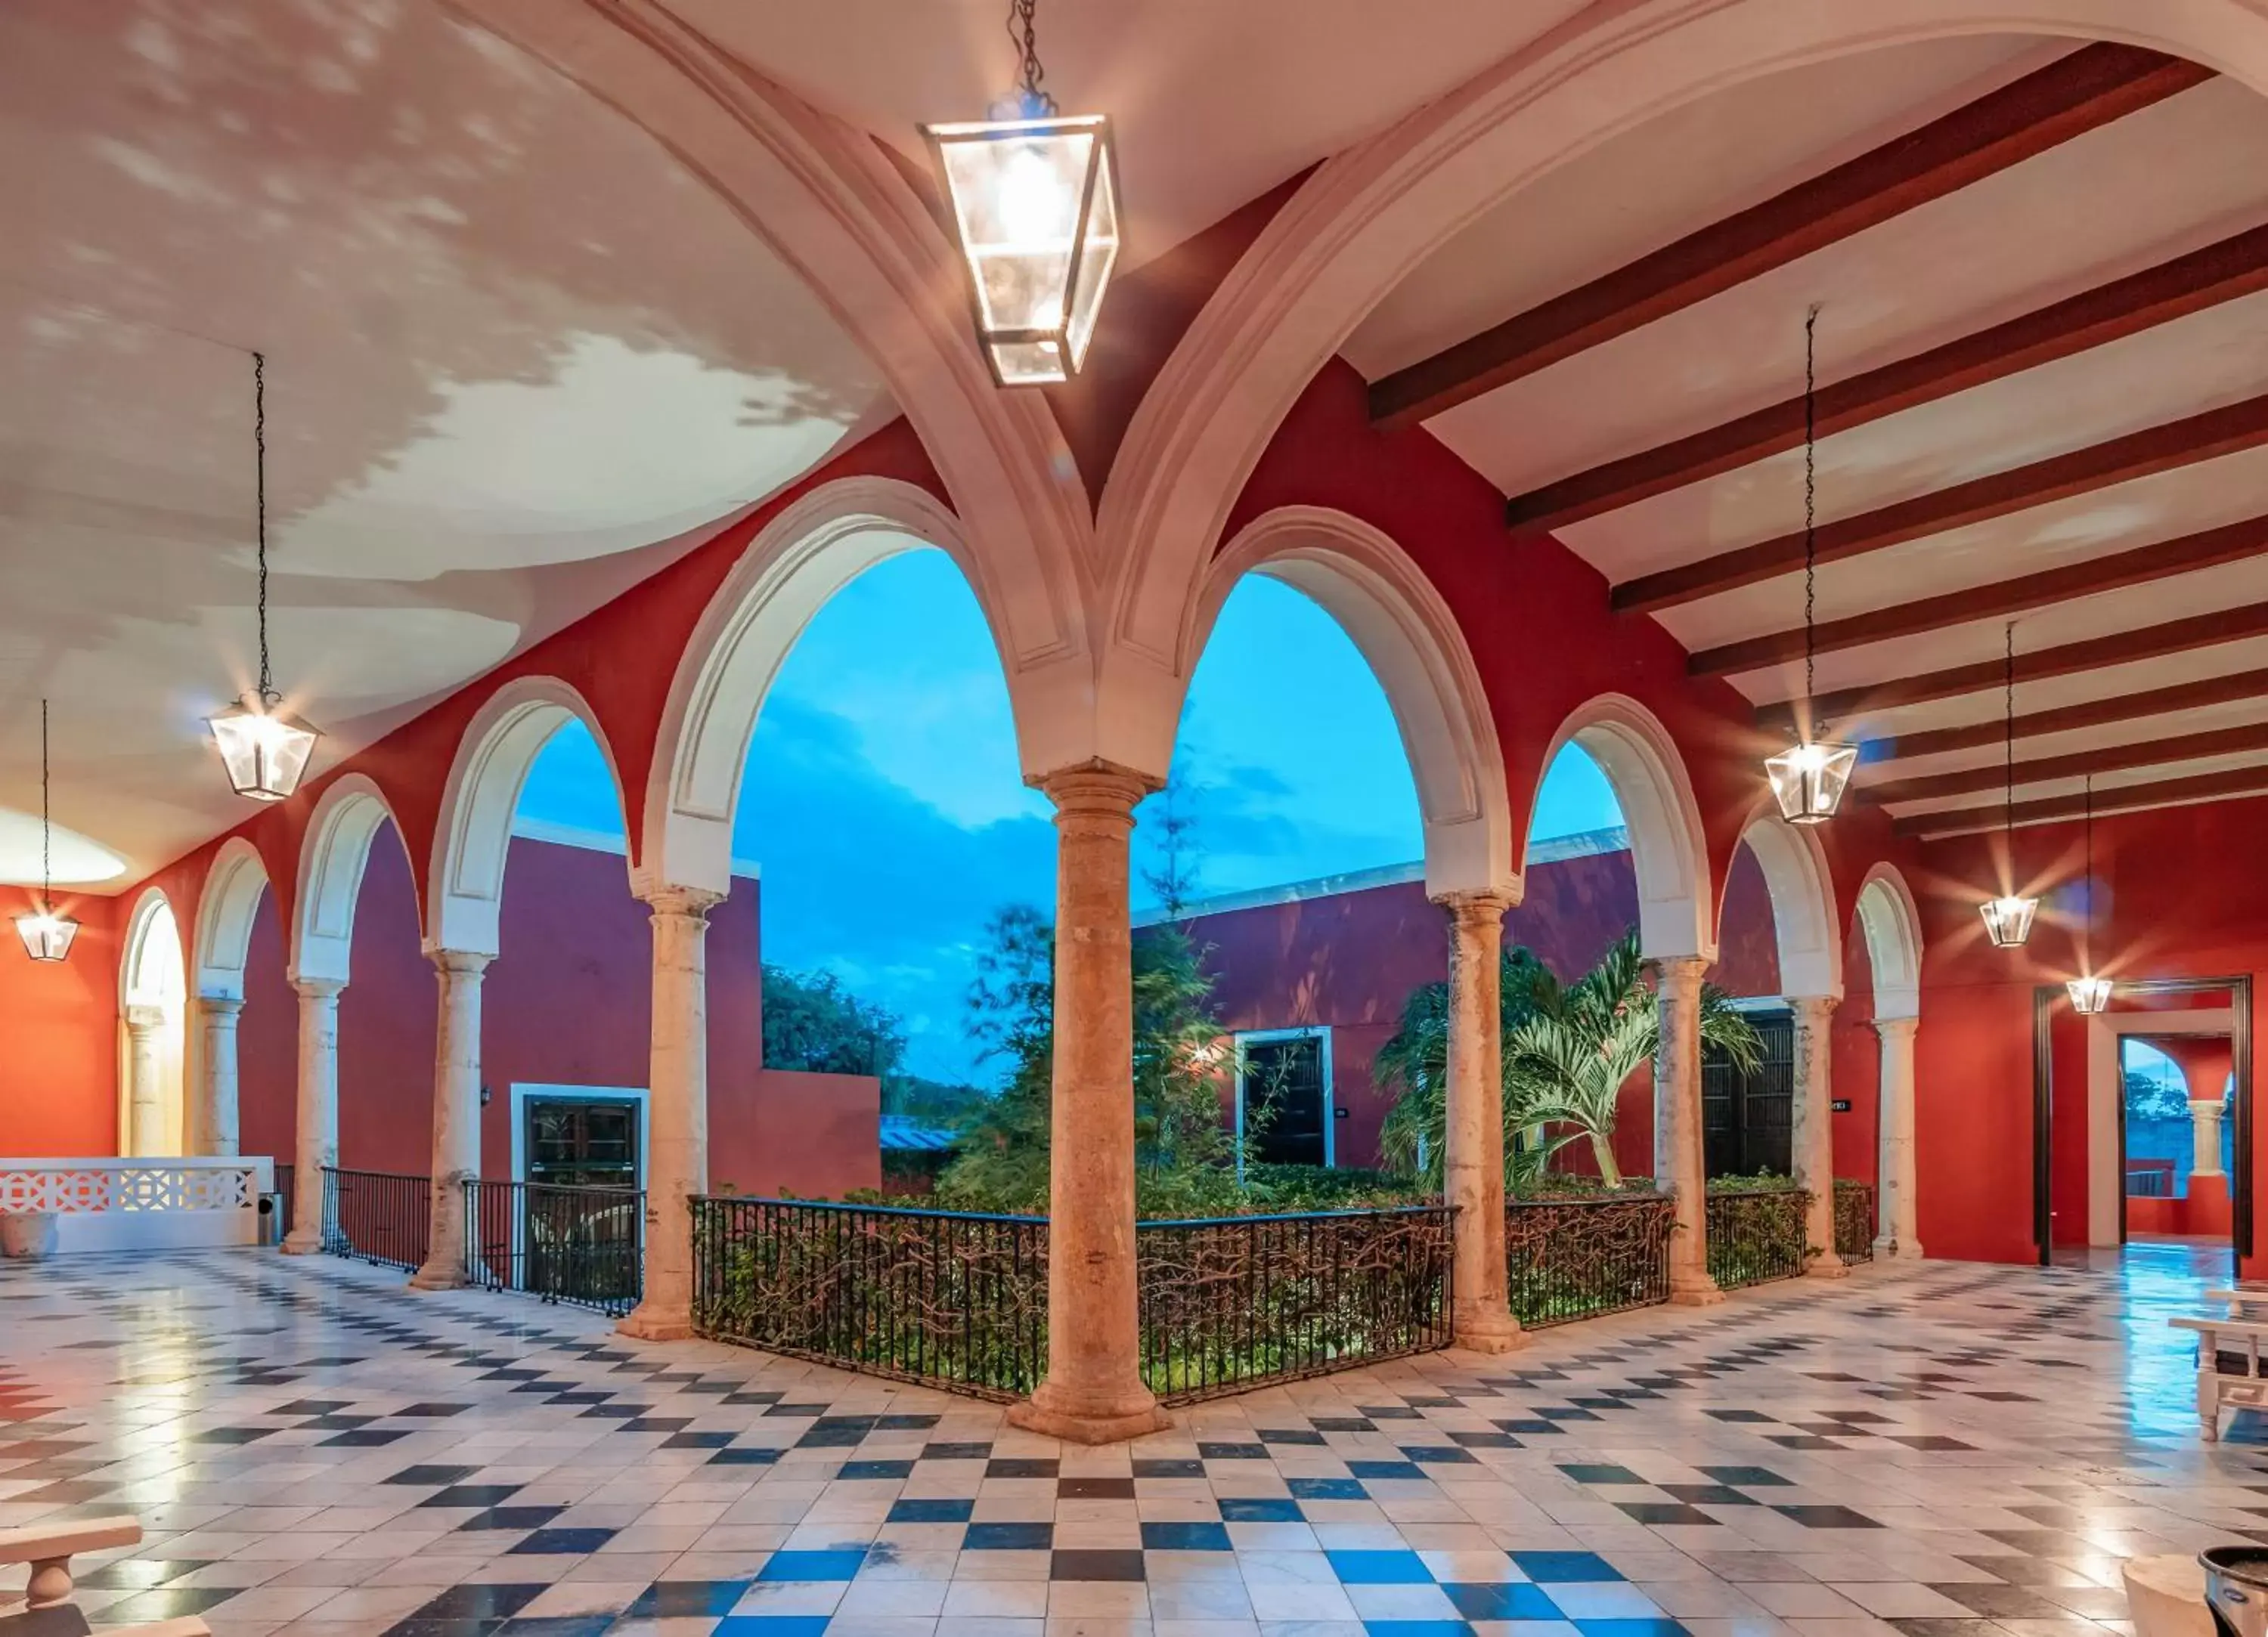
<point x="141" y="1204"/>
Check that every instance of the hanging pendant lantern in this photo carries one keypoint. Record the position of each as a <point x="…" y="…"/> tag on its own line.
<point x="2008" y="918"/>
<point x="1808" y="778"/>
<point x="1035" y="204"/>
<point x="2089" y="995"/>
<point x="46" y="936"/>
<point x="264" y="747"/>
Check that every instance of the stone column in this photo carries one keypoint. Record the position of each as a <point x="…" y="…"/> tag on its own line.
<point x="317" y="1146"/>
<point x="1895" y="1233"/>
<point x="1473" y="1153"/>
<point x="145" y="1114"/>
<point x="215" y="1110"/>
<point x="677" y="1115"/>
<point x="456" y="1116"/>
<point x="2205" y="1135"/>
<point x="1678" y="1165"/>
<point x="1093" y="1392"/>
<point x="1813" y="1147"/>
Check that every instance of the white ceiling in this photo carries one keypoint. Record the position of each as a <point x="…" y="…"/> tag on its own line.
<point x="2181" y="174"/>
<point x="515" y="354"/>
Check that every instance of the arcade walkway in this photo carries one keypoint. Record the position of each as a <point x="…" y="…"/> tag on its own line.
<point x="317" y="1451"/>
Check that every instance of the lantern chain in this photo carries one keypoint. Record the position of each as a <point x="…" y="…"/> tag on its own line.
<point x="1023" y="32"/>
<point x="268" y="693"/>
<point x="2008" y="738"/>
<point x="1810" y="497"/>
<point x="47" y="873"/>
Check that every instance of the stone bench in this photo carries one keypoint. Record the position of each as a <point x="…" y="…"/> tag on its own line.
<point x="47" y="1609"/>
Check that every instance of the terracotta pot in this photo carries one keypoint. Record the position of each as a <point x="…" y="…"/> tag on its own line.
<point x="27" y="1236"/>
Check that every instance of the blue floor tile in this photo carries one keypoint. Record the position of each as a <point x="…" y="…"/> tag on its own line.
<point x="1502" y="1600"/>
<point x="1546" y="1566"/>
<point x="1260" y="1509"/>
<point x="930" y="1511"/>
<point x="1380" y="1568"/>
<point x="1185" y="1537"/>
<point x="1326" y="1489"/>
<point x="841" y="1563"/>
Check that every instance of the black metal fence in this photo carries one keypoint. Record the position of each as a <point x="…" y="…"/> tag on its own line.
<point x="283" y="1195"/>
<point x="1756" y="1234"/>
<point x="580" y="1245"/>
<point x="1579" y="1258"/>
<point x="948" y="1297"/>
<point x="1229" y="1302"/>
<point x="377" y="1216"/>
<point x="1854" y="1220"/>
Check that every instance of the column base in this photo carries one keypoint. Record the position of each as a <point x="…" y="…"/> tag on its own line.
<point x="438" y="1276"/>
<point x="1111" y="1418"/>
<point x="649" y="1322"/>
<point x="1891" y="1249"/>
<point x="1827" y="1264"/>
<point x="1493" y="1331"/>
<point x="1701" y="1292"/>
<point x="295" y="1244"/>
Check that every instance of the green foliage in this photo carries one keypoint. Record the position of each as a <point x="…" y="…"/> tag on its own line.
<point x="811" y="1022"/>
<point x="1567" y="1051"/>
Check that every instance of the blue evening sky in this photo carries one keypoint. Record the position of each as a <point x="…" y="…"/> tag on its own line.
<point x="883" y="774"/>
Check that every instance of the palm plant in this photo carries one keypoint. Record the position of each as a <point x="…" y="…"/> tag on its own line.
<point x="1568" y="1049"/>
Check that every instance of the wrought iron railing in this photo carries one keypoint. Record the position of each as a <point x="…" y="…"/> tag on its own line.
<point x="1230" y="1302"/>
<point x="376" y="1216"/>
<point x="947" y="1297"/>
<point x="1578" y="1258"/>
<point x="1756" y="1234"/>
<point x="579" y="1245"/>
<point x="1854" y="1220"/>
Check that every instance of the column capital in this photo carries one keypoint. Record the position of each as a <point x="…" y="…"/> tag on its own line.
<point x="220" y="1005"/>
<point x="318" y="988"/>
<point x="1095" y="790"/>
<point x="139" y="1017"/>
<point x="1894" y="1028"/>
<point x="2207" y="1108"/>
<point x="1821" y="1005"/>
<point x="1476" y="904"/>
<point x="1677" y="971"/>
<point x="460" y="963"/>
<point x="682" y="903"/>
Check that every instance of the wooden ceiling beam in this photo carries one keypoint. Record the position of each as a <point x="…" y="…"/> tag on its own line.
<point x="2209" y="548"/>
<point x="2157" y="753"/>
<point x="2076" y="93"/>
<point x="2227" y="430"/>
<point x="2149" y="641"/>
<point x="2201" y="787"/>
<point x="2094" y="712"/>
<point x="2221" y="272"/>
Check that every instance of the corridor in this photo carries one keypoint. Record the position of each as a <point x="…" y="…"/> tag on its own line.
<point x="1948" y="1448"/>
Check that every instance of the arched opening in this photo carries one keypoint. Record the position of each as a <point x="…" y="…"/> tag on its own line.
<point x="154" y="986"/>
<point x="1668" y="856"/>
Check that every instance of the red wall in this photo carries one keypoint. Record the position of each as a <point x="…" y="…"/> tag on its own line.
<point x="2183" y="893"/>
<point x="566" y="1002"/>
<point x="59" y="1036"/>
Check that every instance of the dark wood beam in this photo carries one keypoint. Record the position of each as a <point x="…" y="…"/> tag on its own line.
<point x="2159" y="752"/>
<point x="2074" y="94"/>
<point x="2220" y="272"/>
<point x="2094" y="712"/>
<point x="2123" y="798"/>
<point x="2223" y="431"/>
<point x="2149" y="641"/>
<point x="2210" y="548"/>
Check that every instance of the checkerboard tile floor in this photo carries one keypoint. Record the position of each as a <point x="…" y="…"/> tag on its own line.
<point x="1946" y="1450"/>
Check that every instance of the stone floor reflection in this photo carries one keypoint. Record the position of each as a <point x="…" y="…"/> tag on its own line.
<point x="1937" y="1450"/>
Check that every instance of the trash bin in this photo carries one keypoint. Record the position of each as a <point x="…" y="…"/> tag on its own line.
<point x="2236" y="1590"/>
<point x="271" y="1219"/>
<point x="27" y="1236"/>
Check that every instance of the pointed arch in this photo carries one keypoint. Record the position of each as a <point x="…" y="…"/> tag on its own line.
<point x="464" y="895"/>
<point x="1891" y="923"/>
<point x="152" y="968"/>
<point x="230" y="900"/>
<point x="1668" y="849"/>
<point x="347" y="818"/>
<point x="1413" y="645"/>
<point x="807" y="554"/>
<point x="1802" y="890"/>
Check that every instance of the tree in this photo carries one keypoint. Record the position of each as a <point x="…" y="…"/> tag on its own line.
<point x="1567" y="1052"/>
<point x="813" y="1022"/>
<point x="1173" y="821"/>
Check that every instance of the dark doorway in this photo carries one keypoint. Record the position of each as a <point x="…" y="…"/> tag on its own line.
<point x="1748" y="1120"/>
<point x="1281" y="1082"/>
<point x="583" y="1143"/>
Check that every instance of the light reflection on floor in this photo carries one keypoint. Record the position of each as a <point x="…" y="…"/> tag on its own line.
<point x="2160" y="1279"/>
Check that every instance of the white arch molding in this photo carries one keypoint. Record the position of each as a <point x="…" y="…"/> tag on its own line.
<point x="465" y="891"/>
<point x="225" y="908"/>
<point x="1807" y="928"/>
<point x="801" y="560"/>
<point x="1413" y="646"/>
<point x="1371" y="215"/>
<point x="1891" y="925"/>
<point x="822" y="196"/>
<point x="1669" y="852"/>
<point x="332" y="858"/>
<point x="152" y="988"/>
